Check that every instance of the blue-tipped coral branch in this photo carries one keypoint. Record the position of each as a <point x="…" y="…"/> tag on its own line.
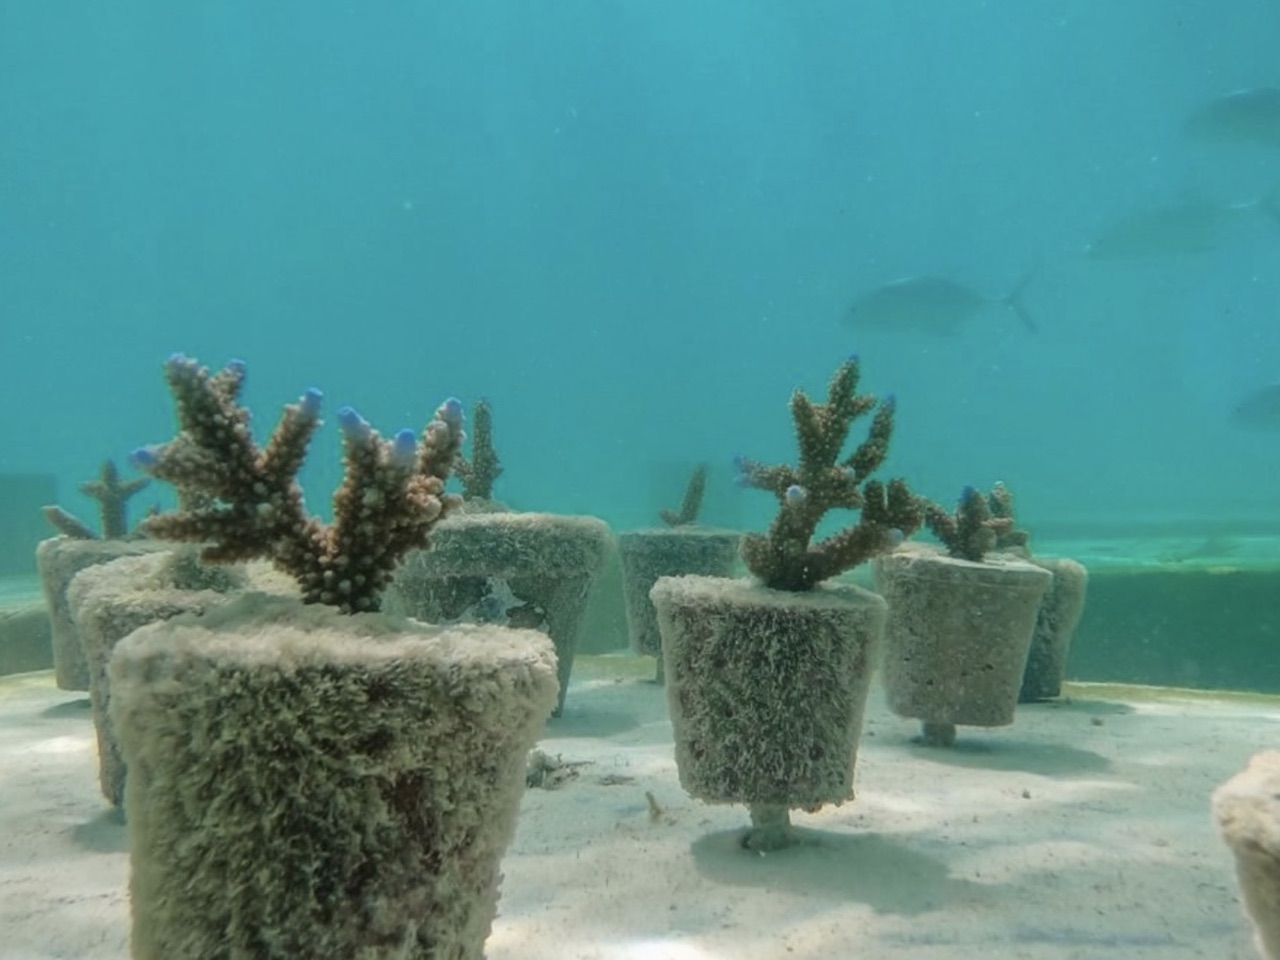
<point x="250" y="505"/>
<point x="786" y="558"/>
<point x="974" y="528"/>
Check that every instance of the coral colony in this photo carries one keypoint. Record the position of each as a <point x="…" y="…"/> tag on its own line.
<point x="113" y="497"/>
<point x="1008" y="537"/>
<point x="252" y="505"/>
<point x="786" y="558"/>
<point x="974" y="528"/>
<point x="479" y="471"/>
<point x="692" y="502"/>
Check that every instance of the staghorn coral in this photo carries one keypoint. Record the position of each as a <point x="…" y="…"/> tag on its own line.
<point x="692" y="502"/>
<point x="113" y="500"/>
<point x="973" y="530"/>
<point x="786" y="558"/>
<point x="479" y="471"/>
<point x="252" y="505"/>
<point x="1008" y="538"/>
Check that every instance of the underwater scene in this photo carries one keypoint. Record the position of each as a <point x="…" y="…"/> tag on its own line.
<point x="635" y="480"/>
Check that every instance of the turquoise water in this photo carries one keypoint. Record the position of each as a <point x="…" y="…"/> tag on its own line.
<point x="635" y="227"/>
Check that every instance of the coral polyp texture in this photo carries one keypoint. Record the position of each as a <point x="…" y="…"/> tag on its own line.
<point x="479" y="471"/>
<point x="692" y="503"/>
<point x="787" y="558"/>
<point x="244" y="501"/>
<point x="974" y="528"/>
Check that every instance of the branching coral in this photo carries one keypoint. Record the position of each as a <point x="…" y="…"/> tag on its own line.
<point x="113" y="498"/>
<point x="786" y="558"/>
<point x="479" y="471"/>
<point x="1010" y="537"/>
<point x="251" y="505"/>
<point x="973" y="530"/>
<point x="692" y="503"/>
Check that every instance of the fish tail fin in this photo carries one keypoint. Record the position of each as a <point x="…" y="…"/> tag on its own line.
<point x="1015" y="302"/>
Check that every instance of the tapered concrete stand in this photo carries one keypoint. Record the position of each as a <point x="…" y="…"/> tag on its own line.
<point x="1247" y="808"/>
<point x="647" y="555"/>
<point x="308" y="784"/>
<point x="59" y="559"/>
<point x="111" y="600"/>
<point x="766" y="690"/>
<point x="957" y="637"/>
<point x="1056" y="622"/>
<point x="515" y="569"/>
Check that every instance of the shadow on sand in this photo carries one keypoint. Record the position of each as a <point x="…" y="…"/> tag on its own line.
<point x="1025" y="756"/>
<point x="105" y="833"/>
<point x="876" y="870"/>
<point x="68" y="708"/>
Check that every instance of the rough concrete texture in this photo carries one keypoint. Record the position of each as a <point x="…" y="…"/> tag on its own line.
<point x="304" y="783"/>
<point x="958" y="635"/>
<point x="1247" y="808"/>
<point x="766" y="688"/>
<point x="111" y="600"/>
<point x="668" y="552"/>
<point x="1056" y="622"/>
<point x="59" y="559"/>
<point x="515" y="569"/>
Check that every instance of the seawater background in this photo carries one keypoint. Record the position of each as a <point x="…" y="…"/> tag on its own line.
<point x="635" y="227"/>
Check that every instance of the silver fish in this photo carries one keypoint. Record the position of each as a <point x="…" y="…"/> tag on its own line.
<point x="1191" y="227"/>
<point x="932" y="305"/>
<point x="1244" y="116"/>
<point x="1259" y="410"/>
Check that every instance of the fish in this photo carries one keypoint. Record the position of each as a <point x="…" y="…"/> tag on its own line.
<point x="1243" y="116"/>
<point x="1259" y="410"/>
<point x="933" y="305"/>
<point x="1160" y="231"/>
<point x="1170" y="229"/>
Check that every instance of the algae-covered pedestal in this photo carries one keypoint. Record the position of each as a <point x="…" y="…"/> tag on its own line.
<point x="766" y="690"/>
<point x="1056" y="622"/>
<point x="59" y="559"/>
<point x="516" y="569"/>
<point x="957" y="637"/>
<point x="111" y="600"/>
<point x="674" y="551"/>
<point x="304" y="783"/>
<point x="1247" y="808"/>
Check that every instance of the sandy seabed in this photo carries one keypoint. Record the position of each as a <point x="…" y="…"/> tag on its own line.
<point x="1081" y="832"/>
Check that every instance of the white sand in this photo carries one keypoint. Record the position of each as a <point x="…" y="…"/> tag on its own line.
<point x="1082" y="832"/>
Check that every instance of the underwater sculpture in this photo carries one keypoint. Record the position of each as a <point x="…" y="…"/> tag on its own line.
<point x="1247" y="810"/>
<point x="307" y="777"/>
<point x="960" y="624"/>
<point x="78" y="546"/>
<point x="679" y="547"/>
<point x="490" y="564"/>
<point x="108" y="601"/>
<point x="767" y="679"/>
<point x="1060" y="609"/>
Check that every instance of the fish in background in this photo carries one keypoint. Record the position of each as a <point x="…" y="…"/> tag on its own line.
<point x="1188" y="226"/>
<point x="1243" y="116"/>
<point x="937" y="306"/>
<point x="1259" y="410"/>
